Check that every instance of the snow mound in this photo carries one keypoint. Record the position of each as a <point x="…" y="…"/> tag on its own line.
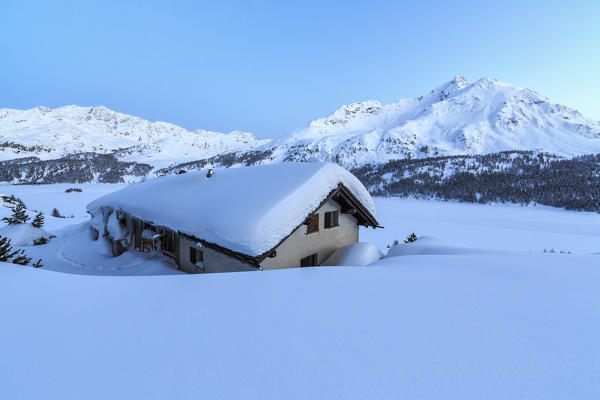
<point x="355" y="254"/>
<point x="248" y="210"/>
<point x="24" y="234"/>
<point x="428" y="245"/>
<point x="78" y="253"/>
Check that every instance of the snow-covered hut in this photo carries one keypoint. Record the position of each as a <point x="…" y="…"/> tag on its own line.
<point x="237" y="219"/>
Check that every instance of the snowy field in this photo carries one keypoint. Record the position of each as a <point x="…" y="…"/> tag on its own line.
<point x="476" y="309"/>
<point x="500" y="227"/>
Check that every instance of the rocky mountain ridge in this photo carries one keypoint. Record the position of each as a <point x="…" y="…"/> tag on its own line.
<point x="54" y="133"/>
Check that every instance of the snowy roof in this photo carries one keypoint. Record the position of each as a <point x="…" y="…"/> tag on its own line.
<point x="248" y="210"/>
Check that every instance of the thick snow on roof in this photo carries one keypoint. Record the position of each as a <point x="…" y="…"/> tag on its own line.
<point x="248" y="210"/>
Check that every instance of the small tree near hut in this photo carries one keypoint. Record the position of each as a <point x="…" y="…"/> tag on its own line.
<point x="6" y="250"/>
<point x="38" y="221"/>
<point x="19" y="215"/>
<point x="7" y="254"/>
<point x="21" y="258"/>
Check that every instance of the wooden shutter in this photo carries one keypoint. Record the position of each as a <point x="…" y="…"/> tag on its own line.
<point x="313" y="225"/>
<point x="331" y="219"/>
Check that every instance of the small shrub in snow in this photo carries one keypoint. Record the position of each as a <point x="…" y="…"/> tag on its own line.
<point x="19" y="215"/>
<point x="38" y="221"/>
<point x="69" y="190"/>
<point x="38" y="264"/>
<point x="56" y="213"/>
<point x="40" y="241"/>
<point x="395" y="242"/>
<point x="411" y="238"/>
<point x="21" y="258"/>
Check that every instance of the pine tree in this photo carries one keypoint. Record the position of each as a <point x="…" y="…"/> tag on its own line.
<point x="6" y="250"/>
<point x="21" y="258"/>
<point x="38" y="221"/>
<point x="13" y="199"/>
<point x="56" y="213"/>
<point x="7" y="254"/>
<point x="19" y="215"/>
<point x="38" y="264"/>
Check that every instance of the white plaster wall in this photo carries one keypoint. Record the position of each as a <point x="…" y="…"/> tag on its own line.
<point x="214" y="261"/>
<point x="324" y="242"/>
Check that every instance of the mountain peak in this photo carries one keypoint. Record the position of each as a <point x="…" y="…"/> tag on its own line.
<point x="445" y="90"/>
<point x="459" y="81"/>
<point x="455" y="118"/>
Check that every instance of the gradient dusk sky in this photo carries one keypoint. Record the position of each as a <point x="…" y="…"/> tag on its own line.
<point x="270" y="67"/>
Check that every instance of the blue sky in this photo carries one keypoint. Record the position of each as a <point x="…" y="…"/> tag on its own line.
<point x="269" y="67"/>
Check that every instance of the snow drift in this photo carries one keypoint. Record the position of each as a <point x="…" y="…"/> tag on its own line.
<point x="360" y="253"/>
<point x="460" y="327"/>
<point x="427" y="245"/>
<point x="24" y="234"/>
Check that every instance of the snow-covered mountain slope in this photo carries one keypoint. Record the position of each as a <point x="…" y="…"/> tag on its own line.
<point x="457" y="117"/>
<point x="51" y="133"/>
